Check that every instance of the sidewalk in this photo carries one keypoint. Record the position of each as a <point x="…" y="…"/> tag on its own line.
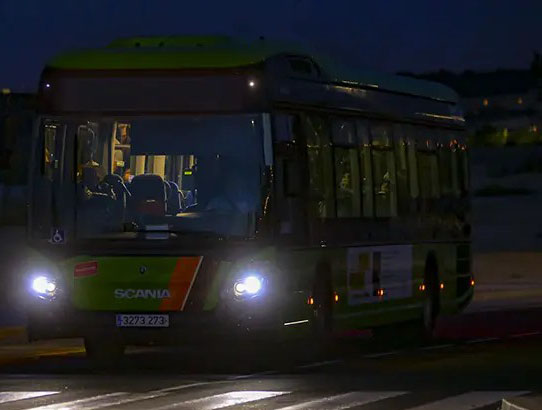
<point x="507" y="280"/>
<point x="522" y="403"/>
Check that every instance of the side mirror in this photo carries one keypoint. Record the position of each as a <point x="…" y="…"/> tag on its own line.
<point x="292" y="178"/>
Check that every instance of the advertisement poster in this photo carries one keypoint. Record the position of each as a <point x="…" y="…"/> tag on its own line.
<point x="379" y="273"/>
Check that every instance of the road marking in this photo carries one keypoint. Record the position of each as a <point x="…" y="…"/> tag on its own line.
<point x="437" y="347"/>
<point x="186" y="386"/>
<point x="8" y="396"/>
<point x="93" y="402"/>
<point x="482" y="340"/>
<point x="383" y="354"/>
<point x="297" y="322"/>
<point x="248" y="376"/>
<point x="345" y="401"/>
<point x="319" y="364"/>
<point x="518" y="335"/>
<point x="219" y="401"/>
<point x="469" y="401"/>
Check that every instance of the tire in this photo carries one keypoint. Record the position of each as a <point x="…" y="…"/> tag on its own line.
<point x="104" y="350"/>
<point x="322" y="323"/>
<point x="431" y="302"/>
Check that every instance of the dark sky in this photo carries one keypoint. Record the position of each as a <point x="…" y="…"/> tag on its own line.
<point x="390" y="35"/>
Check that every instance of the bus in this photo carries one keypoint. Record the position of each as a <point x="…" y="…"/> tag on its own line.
<point x="190" y="188"/>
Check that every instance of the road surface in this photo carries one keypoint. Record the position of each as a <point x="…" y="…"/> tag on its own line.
<point x="392" y="370"/>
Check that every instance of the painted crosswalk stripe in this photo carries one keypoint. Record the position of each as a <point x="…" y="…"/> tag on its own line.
<point x="469" y="401"/>
<point x="219" y="401"/>
<point x="345" y="401"/>
<point x="93" y="402"/>
<point x="8" y="396"/>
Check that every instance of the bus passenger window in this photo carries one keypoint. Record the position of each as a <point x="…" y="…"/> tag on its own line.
<point x="463" y="168"/>
<point x="320" y="168"/>
<point x="366" y="169"/>
<point x="403" y="195"/>
<point x="49" y="142"/>
<point x="445" y="167"/>
<point x="429" y="175"/>
<point x="347" y="179"/>
<point x="384" y="176"/>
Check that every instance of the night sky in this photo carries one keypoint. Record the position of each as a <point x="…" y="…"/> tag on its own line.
<point x="390" y="35"/>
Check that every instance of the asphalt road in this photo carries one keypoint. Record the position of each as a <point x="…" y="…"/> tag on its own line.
<point x="391" y="370"/>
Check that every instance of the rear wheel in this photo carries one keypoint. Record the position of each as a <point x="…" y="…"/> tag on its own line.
<point x="322" y="323"/>
<point x="431" y="302"/>
<point x="104" y="350"/>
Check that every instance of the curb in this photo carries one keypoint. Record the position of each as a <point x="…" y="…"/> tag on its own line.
<point x="13" y="334"/>
<point x="522" y="403"/>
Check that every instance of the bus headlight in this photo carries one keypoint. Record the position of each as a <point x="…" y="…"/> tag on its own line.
<point x="250" y="285"/>
<point x="43" y="286"/>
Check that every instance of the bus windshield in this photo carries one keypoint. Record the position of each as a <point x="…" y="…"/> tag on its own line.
<point x="142" y="176"/>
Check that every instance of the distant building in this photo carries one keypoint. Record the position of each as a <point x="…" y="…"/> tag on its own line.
<point x="502" y="106"/>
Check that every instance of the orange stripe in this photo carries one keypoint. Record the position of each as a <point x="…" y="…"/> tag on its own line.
<point x="181" y="282"/>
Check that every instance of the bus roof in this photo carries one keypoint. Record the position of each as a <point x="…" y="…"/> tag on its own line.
<point x="185" y="52"/>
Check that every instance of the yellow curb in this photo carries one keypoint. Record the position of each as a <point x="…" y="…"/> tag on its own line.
<point x="11" y="331"/>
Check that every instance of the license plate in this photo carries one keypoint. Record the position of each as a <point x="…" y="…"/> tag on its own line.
<point x="124" y="320"/>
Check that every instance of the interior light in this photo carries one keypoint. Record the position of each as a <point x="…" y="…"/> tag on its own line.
<point x="422" y="287"/>
<point x="336" y="297"/>
<point x="47" y="85"/>
<point x="472" y="282"/>
<point x="252" y="83"/>
<point x="442" y="286"/>
<point x="310" y="301"/>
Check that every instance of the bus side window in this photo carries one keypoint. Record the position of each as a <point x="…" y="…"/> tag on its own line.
<point x="428" y="169"/>
<point x="49" y="148"/>
<point x="347" y="179"/>
<point x="320" y="165"/>
<point x="401" y="167"/>
<point x="413" y="181"/>
<point x="364" y="139"/>
<point x="463" y="167"/>
<point x="384" y="176"/>
<point x="444" y="151"/>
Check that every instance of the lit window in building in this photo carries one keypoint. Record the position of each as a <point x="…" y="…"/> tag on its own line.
<point x="485" y="102"/>
<point x="520" y="100"/>
<point x="534" y="128"/>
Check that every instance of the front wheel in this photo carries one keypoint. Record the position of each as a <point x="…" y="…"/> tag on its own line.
<point x="104" y="350"/>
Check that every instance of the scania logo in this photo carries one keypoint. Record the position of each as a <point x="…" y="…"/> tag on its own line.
<point x="142" y="269"/>
<point x="142" y="293"/>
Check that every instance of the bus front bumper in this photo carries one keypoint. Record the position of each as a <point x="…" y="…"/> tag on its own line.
<point x="184" y="327"/>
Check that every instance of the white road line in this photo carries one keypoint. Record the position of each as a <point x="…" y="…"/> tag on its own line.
<point x="437" y="347"/>
<point x="319" y="364"/>
<point x="297" y="322"/>
<point x="8" y="396"/>
<point x="219" y="401"/>
<point x="469" y="401"/>
<point x="248" y="376"/>
<point x="524" y="335"/>
<point x="345" y="401"/>
<point x="482" y="340"/>
<point x="93" y="402"/>
<point x="383" y="354"/>
<point x="186" y="386"/>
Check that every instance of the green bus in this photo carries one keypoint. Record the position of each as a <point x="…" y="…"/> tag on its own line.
<point x="188" y="188"/>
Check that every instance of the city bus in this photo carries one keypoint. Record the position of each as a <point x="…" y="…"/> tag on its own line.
<point x="191" y="188"/>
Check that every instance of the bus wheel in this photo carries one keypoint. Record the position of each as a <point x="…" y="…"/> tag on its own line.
<point x="103" y="350"/>
<point x="323" y="307"/>
<point x="431" y="301"/>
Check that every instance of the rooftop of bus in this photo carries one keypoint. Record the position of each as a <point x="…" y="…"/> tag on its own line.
<point x="219" y="52"/>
